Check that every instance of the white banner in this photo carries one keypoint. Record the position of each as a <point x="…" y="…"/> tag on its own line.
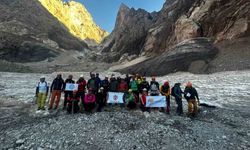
<point x="71" y="87"/>
<point x="156" y="101"/>
<point x="114" y="97"/>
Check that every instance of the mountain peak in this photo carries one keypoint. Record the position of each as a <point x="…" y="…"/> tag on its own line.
<point x="76" y="18"/>
<point x="123" y="7"/>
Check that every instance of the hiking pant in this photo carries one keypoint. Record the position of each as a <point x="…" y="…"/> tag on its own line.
<point x="72" y="105"/>
<point x="89" y="107"/>
<point x="41" y="99"/>
<point x="192" y="107"/>
<point x="81" y="95"/>
<point x="179" y="109"/>
<point x="66" y="95"/>
<point x="131" y="105"/>
<point x="136" y="93"/>
<point x="100" y="106"/>
<point x="168" y="104"/>
<point x="56" y="94"/>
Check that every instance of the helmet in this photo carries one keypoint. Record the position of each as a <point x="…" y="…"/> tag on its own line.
<point x="130" y="90"/>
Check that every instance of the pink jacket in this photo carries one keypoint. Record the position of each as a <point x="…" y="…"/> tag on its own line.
<point x="89" y="98"/>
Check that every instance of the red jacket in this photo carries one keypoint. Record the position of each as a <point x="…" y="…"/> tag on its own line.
<point x="81" y="86"/>
<point x="123" y="86"/>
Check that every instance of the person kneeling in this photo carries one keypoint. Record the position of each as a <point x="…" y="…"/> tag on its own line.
<point x="143" y="100"/>
<point x="130" y="100"/>
<point x="73" y="103"/>
<point x="89" y="101"/>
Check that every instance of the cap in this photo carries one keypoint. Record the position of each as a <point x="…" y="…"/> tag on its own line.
<point x="82" y="76"/>
<point x="101" y="88"/>
<point x="42" y="77"/>
<point x="144" y="89"/>
<point x="130" y="90"/>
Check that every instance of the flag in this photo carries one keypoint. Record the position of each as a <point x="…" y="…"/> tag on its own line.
<point x="156" y="101"/>
<point x="114" y="97"/>
<point x="71" y="87"/>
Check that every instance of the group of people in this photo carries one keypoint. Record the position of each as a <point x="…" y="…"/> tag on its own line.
<point x="94" y="92"/>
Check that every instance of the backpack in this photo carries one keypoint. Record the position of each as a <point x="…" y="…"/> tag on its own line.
<point x="172" y="91"/>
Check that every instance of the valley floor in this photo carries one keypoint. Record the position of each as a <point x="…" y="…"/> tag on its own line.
<point x="225" y="127"/>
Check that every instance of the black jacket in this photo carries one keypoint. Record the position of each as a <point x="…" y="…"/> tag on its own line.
<point x="177" y="92"/>
<point x="57" y="84"/>
<point x="144" y="84"/>
<point x="190" y="93"/>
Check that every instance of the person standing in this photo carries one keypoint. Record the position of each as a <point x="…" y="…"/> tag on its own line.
<point x="123" y="86"/>
<point x="154" y="87"/>
<point x="176" y="92"/>
<point x="144" y="85"/>
<point x="56" y="90"/>
<point x="97" y="81"/>
<point x="192" y="98"/>
<point x="42" y="93"/>
<point x="92" y="83"/>
<point x="127" y="79"/>
<point x="81" y="90"/>
<point x="134" y="87"/>
<point x="165" y="90"/>
<point x="105" y="84"/>
<point x="113" y="84"/>
<point x="67" y="94"/>
<point x="100" y="99"/>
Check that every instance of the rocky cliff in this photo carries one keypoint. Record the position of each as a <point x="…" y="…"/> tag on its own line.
<point x="76" y="18"/>
<point x="28" y="32"/>
<point x="152" y="34"/>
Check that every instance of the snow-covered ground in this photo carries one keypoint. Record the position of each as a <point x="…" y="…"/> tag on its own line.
<point x="221" y="89"/>
<point x="226" y="127"/>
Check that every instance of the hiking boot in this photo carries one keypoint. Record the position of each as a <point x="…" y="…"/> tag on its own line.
<point x="39" y="108"/>
<point x="64" y="108"/>
<point x="49" y="108"/>
<point x="43" y="108"/>
<point x="55" y="108"/>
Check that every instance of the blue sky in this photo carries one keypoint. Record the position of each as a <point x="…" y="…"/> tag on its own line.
<point x="104" y="11"/>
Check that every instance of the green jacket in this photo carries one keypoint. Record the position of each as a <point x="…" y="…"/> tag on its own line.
<point x="133" y="85"/>
<point x="130" y="97"/>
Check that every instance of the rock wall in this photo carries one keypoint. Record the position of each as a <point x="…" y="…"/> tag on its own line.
<point x="76" y="18"/>
<point x="181" y="20"/>
<point x="28" y="32"/>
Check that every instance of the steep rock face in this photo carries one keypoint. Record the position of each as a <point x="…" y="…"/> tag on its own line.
<point x="129" y="33"/>
<point x="181" y="20"/>
<point x="28" y="32"/>
<point x="76" y="18"/>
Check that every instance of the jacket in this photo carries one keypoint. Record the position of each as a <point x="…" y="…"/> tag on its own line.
<point x="190" y="93"/>
<point x="81" y="85"/>
<point x="57" y="84"/>
<point x="177" y="92"/>
<point x="165" y="90"/>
